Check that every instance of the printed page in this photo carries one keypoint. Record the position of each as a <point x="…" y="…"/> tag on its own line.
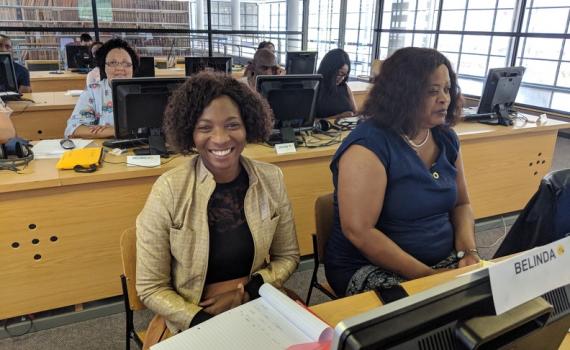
<point x="255" y="325"/>
<point x="311" y="325"/>
<point x="46" y="149"/>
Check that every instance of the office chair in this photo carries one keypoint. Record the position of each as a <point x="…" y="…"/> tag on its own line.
<point x="324" y="220"/>
<point x="544" y="219"/>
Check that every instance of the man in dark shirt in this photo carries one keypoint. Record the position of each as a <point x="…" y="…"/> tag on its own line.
<point x="22" y="74"/>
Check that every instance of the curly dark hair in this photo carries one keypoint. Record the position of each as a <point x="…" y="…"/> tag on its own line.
<point x="396" y="99"/>
<point x="189" y="101"/>
<point x="115" y="43"/>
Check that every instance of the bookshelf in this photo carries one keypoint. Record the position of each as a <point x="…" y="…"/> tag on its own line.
<point x="139" y="14"/>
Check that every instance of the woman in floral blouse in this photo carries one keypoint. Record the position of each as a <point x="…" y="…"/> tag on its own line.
<point x="92" y="116"/>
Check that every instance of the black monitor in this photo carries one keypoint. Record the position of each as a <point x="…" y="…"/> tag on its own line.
<point x="138" y="109"/>
<point x="499" y="93"/>
<point x="8" y="81"/>
<point x="301" y="62"/>
<point x="458" y="315"/>
<point x="293" y="100"/>
<point x="146" y="67"/>
<point x="79" y="58"/>
<point x="194" y="65"/>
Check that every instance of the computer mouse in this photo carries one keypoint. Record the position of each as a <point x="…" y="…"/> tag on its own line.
<point x="67" y="144"/>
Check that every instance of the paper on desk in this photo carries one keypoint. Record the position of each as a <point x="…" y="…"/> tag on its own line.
<point x="73" y="92"/>
<point x="51" y="149"/>
<point x="272" y="321"/>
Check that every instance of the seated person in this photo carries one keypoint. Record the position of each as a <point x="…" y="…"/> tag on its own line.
<point x="335" y="97"/>
<point x="264" y="63"/>
<point x="401" y="208"/>
<point x="6" y="128"/>
<point x="214" y="229"/>
<point x="94" y="75"/>
<point x="266" y="45"/>
<point x="85" y="39"/>
<point x="22" y="73"/>
<point x="92" y="116"/>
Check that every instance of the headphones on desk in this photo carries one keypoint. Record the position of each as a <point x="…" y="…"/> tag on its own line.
<point x="16" y="152"/>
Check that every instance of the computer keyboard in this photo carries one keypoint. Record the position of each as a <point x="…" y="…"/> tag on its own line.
<point x="124" y="144"/>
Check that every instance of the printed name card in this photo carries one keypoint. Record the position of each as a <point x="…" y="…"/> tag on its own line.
<point x="284" y="148"/>
<point x="530" y="274"/>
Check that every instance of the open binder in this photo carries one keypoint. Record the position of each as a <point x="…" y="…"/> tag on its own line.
<point x="273" y="321"/>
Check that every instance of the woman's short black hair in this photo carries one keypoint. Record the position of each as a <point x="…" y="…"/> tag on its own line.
<point x="188" y="102"/>
<point x="265" y="44"/>
<point x="397" y="97"/>
<point x="115" y="43"/>
<point x="330" y="64"/>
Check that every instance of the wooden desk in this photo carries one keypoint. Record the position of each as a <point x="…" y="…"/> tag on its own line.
<point x="45" y="118"/>
<point x="88" y="212"/>
<point x="333" y="312"/>
<point x="44" y="81"/>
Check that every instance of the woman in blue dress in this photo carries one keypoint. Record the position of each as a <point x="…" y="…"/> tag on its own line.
<point x="401" y="205"/>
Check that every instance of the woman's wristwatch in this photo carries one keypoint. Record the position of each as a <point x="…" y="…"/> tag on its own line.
<point x="462" y="253"/>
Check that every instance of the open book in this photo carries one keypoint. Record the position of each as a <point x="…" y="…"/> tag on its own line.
<point x="272" y="321"/>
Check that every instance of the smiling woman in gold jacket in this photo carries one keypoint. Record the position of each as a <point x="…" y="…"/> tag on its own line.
<point x="216" y="228"/>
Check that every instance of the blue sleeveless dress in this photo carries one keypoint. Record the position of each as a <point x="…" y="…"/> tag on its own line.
<point x="417" y="204"/>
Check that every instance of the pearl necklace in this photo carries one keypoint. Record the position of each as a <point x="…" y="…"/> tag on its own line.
<point x="417" y="145"/>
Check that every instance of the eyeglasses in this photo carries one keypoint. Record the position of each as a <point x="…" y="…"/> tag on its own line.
<point x="115" y="64"/>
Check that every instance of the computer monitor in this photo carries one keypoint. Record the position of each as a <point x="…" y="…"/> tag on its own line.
<point x="8" y="81"/>
<point x="194" y="65"/>
<point x="293" y="100"/>
<point x="301" y="62"/>
<point x="458" y="315"/>
<point x="146" y="67"/>
<point x="79" y="58"/>
<point x="138" y="109"/>
<point x="499" y="93"/>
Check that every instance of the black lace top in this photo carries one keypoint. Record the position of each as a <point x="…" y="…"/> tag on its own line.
<point x="231" y="244"/>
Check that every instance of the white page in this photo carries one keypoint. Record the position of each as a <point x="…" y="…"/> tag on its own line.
<point x="46" y="149"/>
<point x="254" y="325"/>
<point x="312" y="326"/>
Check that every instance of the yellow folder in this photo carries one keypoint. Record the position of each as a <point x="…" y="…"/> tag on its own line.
<point x="83" y="158"/>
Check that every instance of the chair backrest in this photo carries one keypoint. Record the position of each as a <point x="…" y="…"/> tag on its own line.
<point x="544" y="219"/>
<point x="324" y="213"/>
<point x="129" y="258"/>
<point x="375" y="67"/>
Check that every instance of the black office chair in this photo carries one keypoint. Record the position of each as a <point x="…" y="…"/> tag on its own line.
<point x="545" y="218"/>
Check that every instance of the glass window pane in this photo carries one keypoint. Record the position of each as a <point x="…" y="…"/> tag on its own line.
<point x="480" y="20"/>
<point x="542" y="48"/>
<point x="473" y="65"/>
<point x="539" y="71"/>
<point x="452" y="20"/>
<point x="453" y="4"/>
<point x="476" y="44"/>
<point x="449" y="43"/>
<point x="561" y="101"/>
<point x="564" y="75"/>
<point x="534" y="96"/>
<point x="548" y="20"/>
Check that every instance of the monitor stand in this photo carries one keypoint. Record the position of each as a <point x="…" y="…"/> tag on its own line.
<point x="288" y="135"/>
<point x="503" y="117"/>
<point x="156" y="146"/>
